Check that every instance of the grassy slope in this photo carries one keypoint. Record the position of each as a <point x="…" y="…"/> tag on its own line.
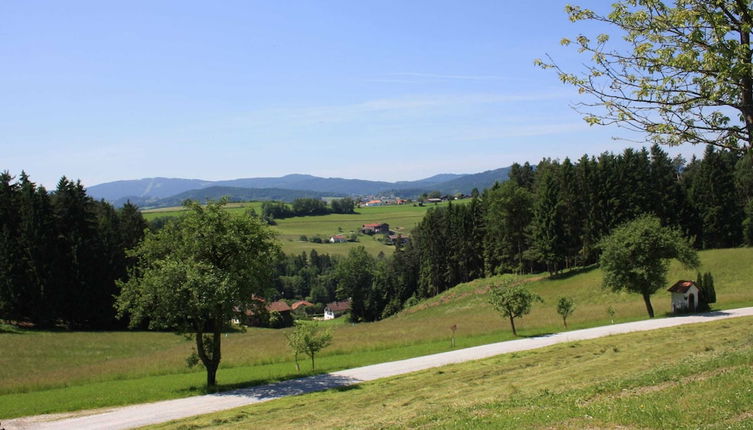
<point x="47" y="372"/>
<point x="682" y="377"/>
<point x="400" y="218"/>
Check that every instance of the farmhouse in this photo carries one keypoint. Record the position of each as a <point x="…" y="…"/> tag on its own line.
<point x="375" y="228"/>
<point x="685" y="296"/>
<point x="338" y="238"/>
<point x="258" y="312"/>
<point x="335" y="309"/>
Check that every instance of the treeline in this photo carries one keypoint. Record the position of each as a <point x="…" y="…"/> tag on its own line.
<point x="60" y="254"/>
<point x="549" y="218"/>
<point x="273" y="210"/>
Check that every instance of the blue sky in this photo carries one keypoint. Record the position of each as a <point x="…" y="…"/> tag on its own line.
<point x="385" y="90"/>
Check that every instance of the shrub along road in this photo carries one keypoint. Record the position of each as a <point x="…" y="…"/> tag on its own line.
<point x="152" y="413"/>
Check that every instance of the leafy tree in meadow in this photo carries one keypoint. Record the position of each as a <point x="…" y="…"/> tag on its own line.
<point x="565" y="308"/>
<point x="636" y="257"/>
<point x="679" y="72"/>
<point x="308" y="339"/>
<point x="512" y="300"/>
<point x="193" y="276"/>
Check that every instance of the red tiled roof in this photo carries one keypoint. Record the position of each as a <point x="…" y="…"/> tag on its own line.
<point x="278" y="306"/>
<point x="300" y="303"/>
<point x="338" y="306"/>
<point x="681" y="287"/>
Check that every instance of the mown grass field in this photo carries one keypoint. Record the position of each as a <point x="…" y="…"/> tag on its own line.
<point x="60" y="371"/>
<point x="697" y="376"/>
<point x="401" y="219"/>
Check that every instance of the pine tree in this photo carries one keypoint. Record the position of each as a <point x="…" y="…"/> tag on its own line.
<point x="547" y="226"/>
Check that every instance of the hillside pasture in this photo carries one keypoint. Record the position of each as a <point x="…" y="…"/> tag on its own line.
<point x="630" y="381"/>
<point x="59" y="371"/>
<point x="401" y="218"/>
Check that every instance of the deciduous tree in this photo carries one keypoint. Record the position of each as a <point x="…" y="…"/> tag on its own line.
<point x="192" y="276"/>
<point x="307" y="338"/>
<point x="636" y="256"/>
<point x="565" y="307"/>
<point x="512" y="301"/>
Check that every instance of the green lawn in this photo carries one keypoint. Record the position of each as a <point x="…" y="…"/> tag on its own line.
<point x="697" y="376"/>
<point x="401" y="219"/>
<point x="60" y="371"/>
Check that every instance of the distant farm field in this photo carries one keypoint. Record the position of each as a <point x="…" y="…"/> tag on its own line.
<point x="59" y="371"/>
<point x="401" y="219"/>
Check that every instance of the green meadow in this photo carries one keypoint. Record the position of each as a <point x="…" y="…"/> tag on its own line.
<point x="697" y="376"/>
<point x="42" y="371"/>
<point x="401" y="219"/>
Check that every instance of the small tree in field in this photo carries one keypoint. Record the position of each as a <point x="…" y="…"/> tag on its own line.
<point x="306" y="338"/>
<point x="565" y="307"/>
<point x="636" y="257"/>
<point x="512" y="301"/>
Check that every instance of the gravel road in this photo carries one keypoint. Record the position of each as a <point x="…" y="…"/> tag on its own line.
<point x="152" y="413"/>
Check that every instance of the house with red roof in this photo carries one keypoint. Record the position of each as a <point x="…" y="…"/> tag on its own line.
<point x="338" y="238"/>
<point x="375" y="228"/>
<point x="685" y="296"/>
<point x="301" y="303"/>
<point x="335" y="309"/>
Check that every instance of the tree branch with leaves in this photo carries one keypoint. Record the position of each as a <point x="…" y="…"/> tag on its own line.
<point x="683" y="72"/>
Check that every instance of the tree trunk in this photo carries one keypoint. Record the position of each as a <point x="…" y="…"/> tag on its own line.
<point x="746" y="92"/>
<point x="210" y="358"/>
<point x="312" y="361"/>
<point x="512" y="323"/>
<point x="649" y="308"/>
<point x="205" y="360"/>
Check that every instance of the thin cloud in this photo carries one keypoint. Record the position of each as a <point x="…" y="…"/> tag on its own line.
<point x="423" y="105"/>
<point x="440" y="76"/>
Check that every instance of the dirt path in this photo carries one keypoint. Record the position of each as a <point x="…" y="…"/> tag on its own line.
<point x="152" y="413"/>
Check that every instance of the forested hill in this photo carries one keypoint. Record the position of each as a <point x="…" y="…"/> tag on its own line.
<point x="216" y="193"/>
<point x="166" y="191"/>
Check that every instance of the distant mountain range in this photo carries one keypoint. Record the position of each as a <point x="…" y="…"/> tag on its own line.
<point x="162" y="192"/>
